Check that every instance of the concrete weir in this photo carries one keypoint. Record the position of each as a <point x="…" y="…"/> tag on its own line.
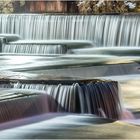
<point x="55" y="73"/>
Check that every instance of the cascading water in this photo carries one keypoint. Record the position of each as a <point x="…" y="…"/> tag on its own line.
<point x="105" y="30"/>
<point x="8" y="44"/>
<point x="100" y="98"/>
<point x="34" y="49"/>
<point x="18" y="103"/>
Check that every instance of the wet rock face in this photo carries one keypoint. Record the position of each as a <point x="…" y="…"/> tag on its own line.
<point x="19" y="104"/>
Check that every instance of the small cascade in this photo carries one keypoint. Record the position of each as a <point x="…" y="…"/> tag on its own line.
<point x="93" y="97"/>
<point x="18" y="104"/>
<point x="105" y="30"/>
<point x="8" y="44"/>
<point x="34" y="49"/>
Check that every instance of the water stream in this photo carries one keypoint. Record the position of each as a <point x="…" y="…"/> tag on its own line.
<point x="116" y="33"/>
<point x="104" y="30"/>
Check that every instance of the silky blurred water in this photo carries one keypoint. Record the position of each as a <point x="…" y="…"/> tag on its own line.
<point x="104" y="30"/>
<point x="113" y="56"/>
<point x="122" y="69"/>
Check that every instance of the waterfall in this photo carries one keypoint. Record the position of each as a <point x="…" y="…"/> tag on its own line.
<point x="41" y="46"/>
<point x="18" y="104"/>
<point x="34" y="49"/>
<point x="105" y="30"/>
<point x="100" y="97"/>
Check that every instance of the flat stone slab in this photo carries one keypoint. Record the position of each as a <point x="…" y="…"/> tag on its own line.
<point x="68" y="43"/>
<point x="116" y="51"/>
<point x="9" y="37"/>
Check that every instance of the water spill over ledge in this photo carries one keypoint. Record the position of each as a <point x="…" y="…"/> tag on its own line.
<point x="81" y="27"/>
<point x="77" y="96"/>
<point x="30" y="82"/>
